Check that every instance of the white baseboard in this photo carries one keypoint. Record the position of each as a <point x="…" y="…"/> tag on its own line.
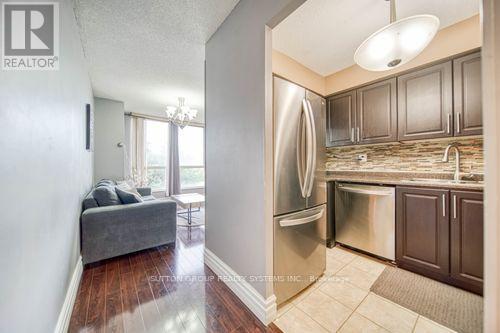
<point x="264" y="309"/>
<point x="69" y="300"/>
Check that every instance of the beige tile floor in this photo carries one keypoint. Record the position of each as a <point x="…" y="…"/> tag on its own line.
<point x="342" y="302"/>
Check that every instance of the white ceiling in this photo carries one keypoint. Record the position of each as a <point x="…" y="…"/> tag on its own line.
<point x="147" y="53"/>
<point x="324" y="34"/>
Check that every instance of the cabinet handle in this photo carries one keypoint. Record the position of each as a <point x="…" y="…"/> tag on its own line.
<point x="448" y="124"/>
<point x="444" y="205"/>
<point x="458" y="122"/>
<point x="352" y="134"/>
<point x="358" y="134"/>
<point x="454" y="206"/>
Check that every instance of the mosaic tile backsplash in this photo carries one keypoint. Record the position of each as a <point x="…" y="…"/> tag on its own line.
<point x="422" y="156"/>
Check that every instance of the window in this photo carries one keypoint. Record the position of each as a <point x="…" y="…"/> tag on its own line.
<point x="156" y="153"/>
<point x="191" y="157"/>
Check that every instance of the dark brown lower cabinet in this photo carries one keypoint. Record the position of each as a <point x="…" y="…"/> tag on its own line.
<point x="439" y="234"/>
<point x="422" y="231"/>
<point x="466" y="234"/>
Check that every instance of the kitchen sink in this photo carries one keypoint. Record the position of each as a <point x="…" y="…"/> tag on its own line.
<point x="446" y="181"/>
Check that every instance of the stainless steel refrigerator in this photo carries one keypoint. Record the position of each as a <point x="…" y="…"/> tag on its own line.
<point x="299" y="188"/>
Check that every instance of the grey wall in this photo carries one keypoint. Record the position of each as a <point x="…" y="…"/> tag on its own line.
<point x="238" y="226"/>
<point x="109" y="130"/>
<point x="44" y="173"/>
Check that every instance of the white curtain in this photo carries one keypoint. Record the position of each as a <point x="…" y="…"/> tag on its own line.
<point x="135" y="155"/>
<point x="174" y="179"/>
<point x="128" y="148"/>
<point x="135" y="152"/>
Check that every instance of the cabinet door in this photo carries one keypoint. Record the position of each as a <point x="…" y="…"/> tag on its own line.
<point x="376" y="113"/>
<point x="425" y="103"/>
<point x="340" y="119"/>
<point x="467" y="95"/>
<point x="422" y="226"/>
<point x="467" y="239"/>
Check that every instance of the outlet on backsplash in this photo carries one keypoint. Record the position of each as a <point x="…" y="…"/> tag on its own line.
<point x="362" y="158"/>
<point x="418" y="156"/>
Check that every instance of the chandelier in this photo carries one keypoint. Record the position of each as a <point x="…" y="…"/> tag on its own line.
<point x="396" y="43"/>
<point x="180" y="115"/>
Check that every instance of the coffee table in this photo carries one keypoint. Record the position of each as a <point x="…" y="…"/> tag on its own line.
<point x="187" y="201"/>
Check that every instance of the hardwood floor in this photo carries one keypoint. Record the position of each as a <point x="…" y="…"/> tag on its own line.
<point x="163" y="289"/>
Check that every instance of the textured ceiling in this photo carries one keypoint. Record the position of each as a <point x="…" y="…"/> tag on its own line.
<point x="324" y="34"/>
<point x="147" y="53"/>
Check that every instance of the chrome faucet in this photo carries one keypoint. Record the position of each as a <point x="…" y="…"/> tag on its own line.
<point x="456" y="176"/>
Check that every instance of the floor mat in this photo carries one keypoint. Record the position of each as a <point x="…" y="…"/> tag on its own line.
<point x="452" y="307"/>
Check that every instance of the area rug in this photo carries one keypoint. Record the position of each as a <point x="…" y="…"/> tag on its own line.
<point x="452" y="307"/>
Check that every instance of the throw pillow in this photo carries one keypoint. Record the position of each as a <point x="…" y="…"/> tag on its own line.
<point x="127" y="197"/>
<point x="125" y="186"/>
<point x="106" y="196"/>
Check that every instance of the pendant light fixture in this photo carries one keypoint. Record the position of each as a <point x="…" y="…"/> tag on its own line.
<point x="396" y="43"/>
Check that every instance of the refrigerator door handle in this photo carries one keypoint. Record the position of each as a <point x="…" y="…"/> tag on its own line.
<point x="313" y="151"/>
<point x="300" y="152"/>
<point x="309" y="146"/>
<point x="302" y="220"/>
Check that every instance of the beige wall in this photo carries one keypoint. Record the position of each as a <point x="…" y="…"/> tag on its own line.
<point x="294" y="71"/>
<point x="460" y="37"/>
<point x="491" y="121"/>
<point x="457" y="38"/>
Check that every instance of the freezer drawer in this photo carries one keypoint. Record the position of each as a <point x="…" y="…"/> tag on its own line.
<point x="299" y="251"/>
<point x="365" y="218"/>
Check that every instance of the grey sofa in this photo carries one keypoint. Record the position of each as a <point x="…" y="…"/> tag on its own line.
<point x="119" y="229"/>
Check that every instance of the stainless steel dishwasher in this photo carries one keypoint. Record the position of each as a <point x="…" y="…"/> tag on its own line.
<point x="365" y="218"/>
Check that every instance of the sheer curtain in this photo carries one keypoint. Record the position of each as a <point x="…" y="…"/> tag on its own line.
<point x="174" y="178"/>
<point x="135" y="151"/>
<point x="127" y="150"/>
<point x="135" y="163"/>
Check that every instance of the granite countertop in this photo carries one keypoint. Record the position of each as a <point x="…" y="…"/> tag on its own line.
<point x="403" y="178"/>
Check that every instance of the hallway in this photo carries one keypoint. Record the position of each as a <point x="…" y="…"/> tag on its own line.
<point x="163" y="289"/>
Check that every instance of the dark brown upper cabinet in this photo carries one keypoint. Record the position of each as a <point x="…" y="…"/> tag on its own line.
<point x="441" y="100"/>
<point x="425" y="103"/>
<point x="422" y="231"/>
<point x="467" y="95"/>
<point x="376" y="112"/>
<point x="467" y="239"/>
<point x="340" y="120"/>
